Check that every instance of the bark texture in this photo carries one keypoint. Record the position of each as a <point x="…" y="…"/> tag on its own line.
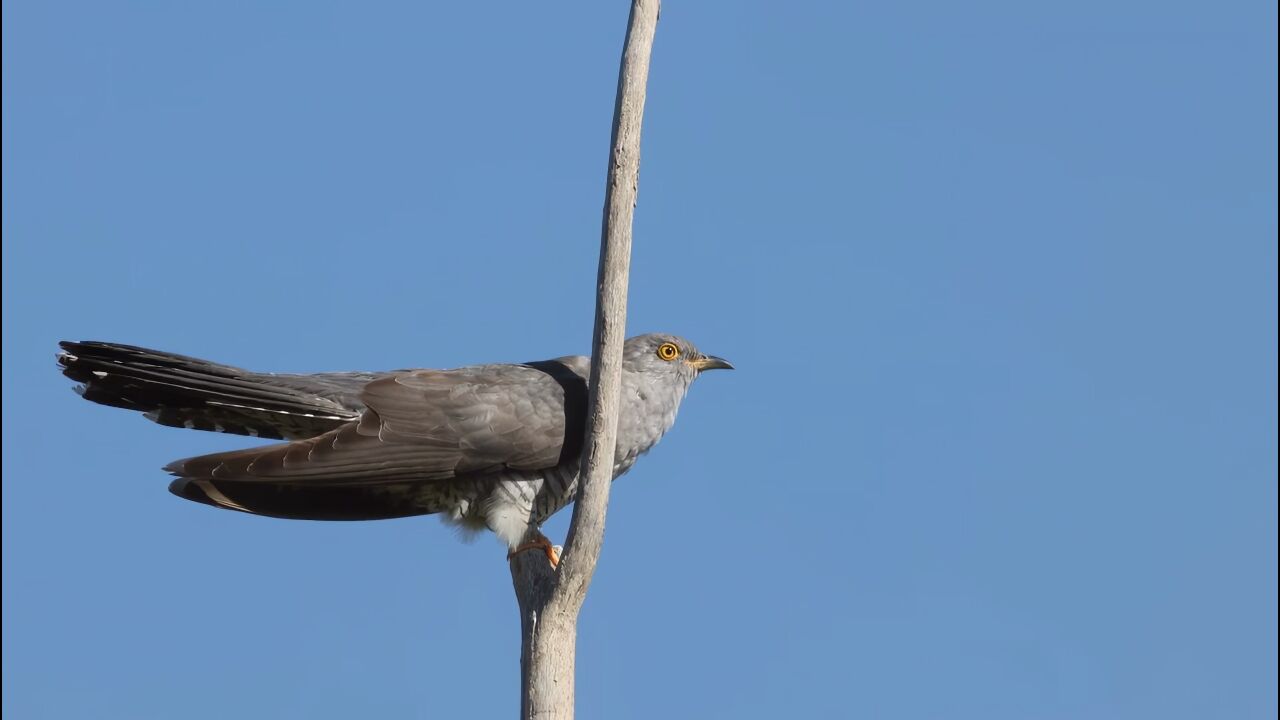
<point x="549" y="599"/>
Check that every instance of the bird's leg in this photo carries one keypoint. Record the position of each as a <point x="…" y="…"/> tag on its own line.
<point x="539" y="542"/>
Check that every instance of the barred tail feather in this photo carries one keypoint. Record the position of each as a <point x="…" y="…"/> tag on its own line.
<point x="180" y="391"/>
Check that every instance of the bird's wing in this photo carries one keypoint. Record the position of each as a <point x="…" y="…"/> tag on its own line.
<point x="428" y="425"/>
<point x="310" y="501"/>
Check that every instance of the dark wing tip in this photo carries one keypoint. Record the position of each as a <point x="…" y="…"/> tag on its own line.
<point x="205" y="492"/>
<point x="180" y="487"/>
<point x="189" y="489"/>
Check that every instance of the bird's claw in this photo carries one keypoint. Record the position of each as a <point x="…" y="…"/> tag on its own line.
<point x="543" y="544"/>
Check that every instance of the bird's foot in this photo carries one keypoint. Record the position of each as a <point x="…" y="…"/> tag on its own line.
<point x="539" y="543"/>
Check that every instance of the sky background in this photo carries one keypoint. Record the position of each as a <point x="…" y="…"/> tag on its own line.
<point x="999" y="279"/>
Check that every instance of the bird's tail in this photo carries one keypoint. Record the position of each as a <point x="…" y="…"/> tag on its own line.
<point x="181" y="391"/>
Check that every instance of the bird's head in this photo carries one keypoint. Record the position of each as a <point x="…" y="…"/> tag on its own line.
<point x="663" y="355"/>
<point x="657" y="370"/>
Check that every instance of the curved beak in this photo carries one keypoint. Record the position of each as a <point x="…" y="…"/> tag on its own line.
<point x="711" y="362"/>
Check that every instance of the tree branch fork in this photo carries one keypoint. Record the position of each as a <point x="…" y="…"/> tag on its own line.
<point x="550" y="599"/>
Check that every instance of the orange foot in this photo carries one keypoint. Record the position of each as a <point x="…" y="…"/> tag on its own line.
<point x="543" y="544"/>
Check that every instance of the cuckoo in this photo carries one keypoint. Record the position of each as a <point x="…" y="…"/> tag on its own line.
<point x="485" y="446"/>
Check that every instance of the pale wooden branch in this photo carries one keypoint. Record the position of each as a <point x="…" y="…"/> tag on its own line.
<point x="550" y="600"/>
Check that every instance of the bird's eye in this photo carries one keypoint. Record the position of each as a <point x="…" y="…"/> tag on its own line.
<point x="668" y="351"/>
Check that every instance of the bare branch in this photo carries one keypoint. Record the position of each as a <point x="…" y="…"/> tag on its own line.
<point x="550" y="601"/>
<point x="586" y="533"/>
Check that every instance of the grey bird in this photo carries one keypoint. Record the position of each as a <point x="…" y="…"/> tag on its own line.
<point x="485" y="446"/>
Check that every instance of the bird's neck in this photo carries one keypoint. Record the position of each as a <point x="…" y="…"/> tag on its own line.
<point x="648" y="410"/>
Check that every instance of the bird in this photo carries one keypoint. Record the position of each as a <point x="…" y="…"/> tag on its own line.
<point x="487" y="447"/>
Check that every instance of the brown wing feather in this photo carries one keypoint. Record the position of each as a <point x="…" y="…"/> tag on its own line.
<point x="427" y="425"/>
<point x="300" y="501"/>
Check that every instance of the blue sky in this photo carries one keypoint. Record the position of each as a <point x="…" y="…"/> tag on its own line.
<point x="999" y="278"/>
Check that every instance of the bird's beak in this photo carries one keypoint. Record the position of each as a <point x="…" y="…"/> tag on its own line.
<point x="711" y="362"/>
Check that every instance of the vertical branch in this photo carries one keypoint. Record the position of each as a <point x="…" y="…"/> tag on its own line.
<point x="586" y="532"/>
<point x="550" y="600"/>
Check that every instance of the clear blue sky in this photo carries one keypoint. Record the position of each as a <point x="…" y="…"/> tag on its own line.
<point x="1000" y="279"/>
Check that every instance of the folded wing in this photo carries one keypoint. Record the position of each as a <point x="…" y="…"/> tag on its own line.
<point x="420" y="427"/>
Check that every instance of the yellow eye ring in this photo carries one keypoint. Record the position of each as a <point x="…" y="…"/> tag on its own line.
<point x="668" y="351"/>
